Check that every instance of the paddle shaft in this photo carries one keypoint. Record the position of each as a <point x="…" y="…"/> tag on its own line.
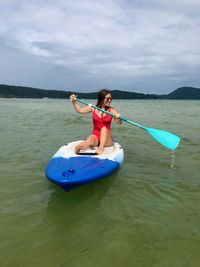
<point x="111" y="114"/>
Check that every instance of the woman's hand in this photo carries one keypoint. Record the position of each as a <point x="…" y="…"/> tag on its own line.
<point x="73" y="97"/>
<point x="117" y="118"/>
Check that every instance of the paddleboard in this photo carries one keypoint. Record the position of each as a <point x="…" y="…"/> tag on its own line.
<point x="69" y="170"/>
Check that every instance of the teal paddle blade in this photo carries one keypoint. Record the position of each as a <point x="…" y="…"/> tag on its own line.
<point x="166" y="139"/>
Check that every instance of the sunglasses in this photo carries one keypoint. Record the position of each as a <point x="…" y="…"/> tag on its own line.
<point x="108" y="98"/>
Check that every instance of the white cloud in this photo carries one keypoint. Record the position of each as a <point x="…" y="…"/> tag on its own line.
<point x="121" y="44"/>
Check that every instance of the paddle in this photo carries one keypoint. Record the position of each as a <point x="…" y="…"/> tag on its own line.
<point x="166" y="139"/>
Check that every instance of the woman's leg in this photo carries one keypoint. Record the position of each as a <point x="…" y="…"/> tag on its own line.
<point x="105" y="140"/>
<point x="90" y="141"/>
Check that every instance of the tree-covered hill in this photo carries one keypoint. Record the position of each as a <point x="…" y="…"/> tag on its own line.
<point x="10" y="91"/>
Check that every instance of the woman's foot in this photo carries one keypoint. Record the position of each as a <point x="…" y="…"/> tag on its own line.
<point x="77" y="149"/>
<point x="99" y="150"/>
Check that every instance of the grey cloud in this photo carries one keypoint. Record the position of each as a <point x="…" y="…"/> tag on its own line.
<point x="149" y="46"/>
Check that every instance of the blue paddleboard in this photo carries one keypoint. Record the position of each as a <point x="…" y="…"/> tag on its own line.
<point x="69" y="170"/>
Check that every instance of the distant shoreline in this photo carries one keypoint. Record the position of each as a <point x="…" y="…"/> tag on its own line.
<point x="10" y="91"/>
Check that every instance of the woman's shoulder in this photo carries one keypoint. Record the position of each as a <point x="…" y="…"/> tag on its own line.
<point x="112" y="110"/>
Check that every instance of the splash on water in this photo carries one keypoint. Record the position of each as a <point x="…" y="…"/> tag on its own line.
<point x="172" y="162"/>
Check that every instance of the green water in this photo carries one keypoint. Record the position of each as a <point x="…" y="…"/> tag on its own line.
<point x="145" y="215"/>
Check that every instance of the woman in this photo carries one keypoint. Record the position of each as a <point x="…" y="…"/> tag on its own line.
<point x="101" y="135"/>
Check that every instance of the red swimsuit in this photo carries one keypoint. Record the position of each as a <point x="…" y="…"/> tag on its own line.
<point x="100" y="122"/>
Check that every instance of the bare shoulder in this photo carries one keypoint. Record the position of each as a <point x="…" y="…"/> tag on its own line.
<point x="113" y="110"/>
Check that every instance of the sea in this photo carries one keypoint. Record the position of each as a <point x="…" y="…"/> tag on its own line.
<point x="147" y="214"/>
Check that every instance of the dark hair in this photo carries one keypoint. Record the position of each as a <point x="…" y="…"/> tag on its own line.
<point x="101" y="96"/>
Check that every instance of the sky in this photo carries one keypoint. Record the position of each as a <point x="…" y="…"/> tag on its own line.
<point x="85" y="45"/>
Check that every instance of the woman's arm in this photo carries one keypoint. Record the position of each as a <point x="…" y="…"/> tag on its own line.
<point x="77" y="107"/>
<point x="116" y="117"/>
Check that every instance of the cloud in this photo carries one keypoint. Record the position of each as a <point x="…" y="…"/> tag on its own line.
<point x="132" y="45"/>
